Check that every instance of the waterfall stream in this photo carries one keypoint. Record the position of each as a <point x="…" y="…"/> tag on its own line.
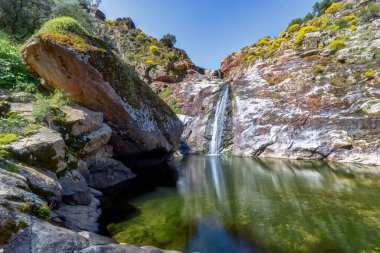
<point x="216" y="143"/>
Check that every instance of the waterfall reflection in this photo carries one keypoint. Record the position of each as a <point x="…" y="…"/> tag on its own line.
<point x="285" y="205"/>
<point x="277" y="205"/>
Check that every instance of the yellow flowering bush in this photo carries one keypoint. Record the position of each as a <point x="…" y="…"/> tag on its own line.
<point x="320" y="22"/>
<point x="351" y="18"/>
<point x="264" y="42"/>
<point x="304" y="31"/>
<point x="153" y="48"/>
<point x="333" y="28"/>
<point x="334" y="8"/>
<point x="336" y="44"/>
<point x="294" y="28"/>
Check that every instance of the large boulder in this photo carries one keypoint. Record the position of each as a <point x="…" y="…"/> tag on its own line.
<point x="68" y="58"/>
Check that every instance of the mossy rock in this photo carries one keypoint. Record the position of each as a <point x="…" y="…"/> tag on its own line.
<point x="71" y="59"/>
<point x="8" y="228"/>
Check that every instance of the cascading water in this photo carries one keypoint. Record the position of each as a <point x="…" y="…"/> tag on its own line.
<point x="216" y="143"/>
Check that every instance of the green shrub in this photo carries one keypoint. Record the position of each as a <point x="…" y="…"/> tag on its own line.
<point x="10" y="167"/>
<point x="12" y="121"/>
<point x="42" y="212"/>
<point x="168" y="40"/>
<point x="43" y="110"/>
<point x="304" y="31"/>
<point x="166" y="93"/>
<point x="335" y="7"/>
<point x="370" y="12"/>
<point x="14" y="73"/>
<point x="177" y="110"/>
<point x="348" y="6"/>
<point x="343" y="24"/>
<point x="336" y="44"/>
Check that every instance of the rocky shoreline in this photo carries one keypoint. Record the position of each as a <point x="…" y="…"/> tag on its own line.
<point x="73" y="192"/>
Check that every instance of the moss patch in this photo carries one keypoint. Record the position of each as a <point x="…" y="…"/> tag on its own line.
<point x="9" y="228"/>
<point x="42" y="212"/>
<point x="41" y="158"/>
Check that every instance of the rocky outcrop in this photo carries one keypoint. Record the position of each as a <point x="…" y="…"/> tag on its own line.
<point x="108" y="172"/>
<point x="150" y="58"/>
<point x="194" y="99"/>
<point x="44" y="149"/>
<point x="37" y="237"/>
<point x="84" y="67"/>
<point x="311" y="98"/>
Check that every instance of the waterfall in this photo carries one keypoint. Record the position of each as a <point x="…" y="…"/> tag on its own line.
<point x="216" y="143"/>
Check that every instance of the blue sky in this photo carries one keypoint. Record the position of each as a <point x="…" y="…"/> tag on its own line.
<point x="209" y="30"/>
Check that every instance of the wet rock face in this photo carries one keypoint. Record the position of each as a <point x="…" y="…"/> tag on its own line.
<point x="194" y="99"/>
<point x="310" y="102"/>
<point x="96" y="78"/>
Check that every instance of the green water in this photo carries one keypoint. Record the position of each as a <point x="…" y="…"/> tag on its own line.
<point x="225" y="204"/>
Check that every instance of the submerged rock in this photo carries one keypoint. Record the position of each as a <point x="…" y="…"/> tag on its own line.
<point x="70" y="59"/>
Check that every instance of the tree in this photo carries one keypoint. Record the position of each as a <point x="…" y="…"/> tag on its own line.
<point x="319" y="8"/>
<point x="295" y="21"/>
<point x="168" y="40"/>
<point x="21" y="18"/>
<point x="308" y="17"/>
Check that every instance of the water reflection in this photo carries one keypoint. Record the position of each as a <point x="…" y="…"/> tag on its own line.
<point x="275" y="205"/>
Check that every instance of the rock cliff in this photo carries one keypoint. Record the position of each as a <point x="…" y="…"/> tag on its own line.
<point x="313" y="92"/>
<point x="72" y="60"/>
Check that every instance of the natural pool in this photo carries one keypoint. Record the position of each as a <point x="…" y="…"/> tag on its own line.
<point x="222" y="204"/>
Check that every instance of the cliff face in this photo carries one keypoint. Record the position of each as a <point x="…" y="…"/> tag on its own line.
<point x="153" y="60"/>
<point x="313" y="92"/>
<point x="70" y="59"/>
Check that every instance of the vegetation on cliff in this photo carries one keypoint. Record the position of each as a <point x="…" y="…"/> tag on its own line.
<point x="13" y="71"/>
<point x="151" y="58"/>
<point x="333" y="25"/>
